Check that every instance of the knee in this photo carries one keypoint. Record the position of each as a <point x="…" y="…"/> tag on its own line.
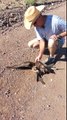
<point x="52" y="43"/>
<point x="33" y="43"/>
<point x="30" y="44"/>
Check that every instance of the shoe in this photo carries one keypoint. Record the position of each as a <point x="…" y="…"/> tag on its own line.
<point x="50" y="60"/>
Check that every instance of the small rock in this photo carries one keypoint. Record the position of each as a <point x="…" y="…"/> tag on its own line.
<point x="4" y="53"/>
<point x="19" y="99"/>
<point x="15" y="93"/>
<point x="44" y="85"/>
<point x="51" y="80"/>
<point x="52" y="4"/>
<point x="60" y="96"/>
<point x="7" y="92"/>
<point x="49" y="105"/>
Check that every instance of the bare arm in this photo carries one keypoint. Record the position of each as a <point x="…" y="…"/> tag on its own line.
<point x="61" y="35"/>
<point x="42" y="48"/>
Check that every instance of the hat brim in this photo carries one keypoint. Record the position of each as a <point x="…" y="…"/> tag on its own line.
<point x="40" y="7"/>
<point x="28" y="24"/>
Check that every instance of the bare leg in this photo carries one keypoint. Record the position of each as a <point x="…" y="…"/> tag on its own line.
<point x="52" y="46"/>
<point x="34" y="43"/>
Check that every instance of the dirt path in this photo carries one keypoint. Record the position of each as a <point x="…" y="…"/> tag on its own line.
<point x="21" y="96"/>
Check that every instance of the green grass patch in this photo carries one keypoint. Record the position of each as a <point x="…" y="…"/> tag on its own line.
<point x="29" y="2"/>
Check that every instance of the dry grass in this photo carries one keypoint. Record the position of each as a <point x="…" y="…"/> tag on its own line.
<point x="17" y="3"/>
<point x="22" y="1"/>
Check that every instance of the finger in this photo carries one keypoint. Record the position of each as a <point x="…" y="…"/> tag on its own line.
<point x="36" y="60"/>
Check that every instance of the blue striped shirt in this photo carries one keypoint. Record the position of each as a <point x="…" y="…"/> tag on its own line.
<point x="54" y="25"/>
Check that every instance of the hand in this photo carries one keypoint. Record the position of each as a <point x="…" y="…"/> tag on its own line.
<point x="54" y="37"/>
<point x="38" y="58"/>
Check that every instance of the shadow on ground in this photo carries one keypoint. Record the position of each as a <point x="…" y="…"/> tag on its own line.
<point x="61" y="54"/>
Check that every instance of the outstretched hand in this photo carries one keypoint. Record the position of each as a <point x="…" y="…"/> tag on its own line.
<point x="37" y="59"/>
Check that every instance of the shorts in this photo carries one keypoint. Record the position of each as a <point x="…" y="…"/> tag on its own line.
<point x="60" y="43"/>
<point x="35" y="40"/>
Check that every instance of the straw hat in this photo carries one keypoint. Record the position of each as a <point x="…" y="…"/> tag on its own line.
<point x="31" y="14"/>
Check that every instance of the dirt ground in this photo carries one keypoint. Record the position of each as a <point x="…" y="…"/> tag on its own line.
<point x="21" y="96"/>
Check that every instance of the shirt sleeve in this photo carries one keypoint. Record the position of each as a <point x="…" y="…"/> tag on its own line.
<point x="37" y="34"/>
<point x="62" y="25"/>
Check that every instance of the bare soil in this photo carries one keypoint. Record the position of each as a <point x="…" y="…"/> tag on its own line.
<point x="21" y="96"/>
